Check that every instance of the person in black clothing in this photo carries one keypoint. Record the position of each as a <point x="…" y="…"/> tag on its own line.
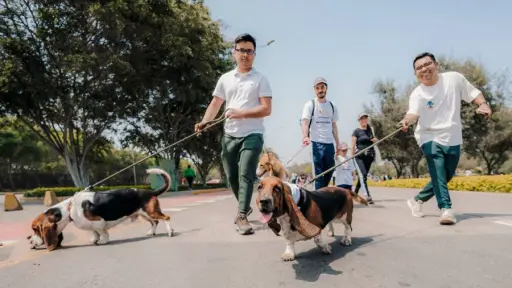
<point x="363" y="137"/>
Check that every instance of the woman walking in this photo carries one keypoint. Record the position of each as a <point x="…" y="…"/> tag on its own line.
<point x="363" y="137"/>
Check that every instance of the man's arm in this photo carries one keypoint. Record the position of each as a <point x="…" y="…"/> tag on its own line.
<point x="413" y="112"/>
<point x="305" y="127"/>
<point x="471" y="94"/>
<point x="353" y="145"/>
<point x="213" y="109"/>
<point x="335" y="127"/>
<point x="263" y="110"/>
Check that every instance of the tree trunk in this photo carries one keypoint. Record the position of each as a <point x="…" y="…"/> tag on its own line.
<point x="9" y="172"/>
<point x="78" y="172"/>
<point x="398" y="168"/>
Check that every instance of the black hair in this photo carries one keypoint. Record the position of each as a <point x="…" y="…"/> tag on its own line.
<point x="424" y="54"/>
<point x="246" y="37"/>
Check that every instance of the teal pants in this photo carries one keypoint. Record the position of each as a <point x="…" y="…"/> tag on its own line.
<point x="240" y="158"/>
<point x="442" y="162"/>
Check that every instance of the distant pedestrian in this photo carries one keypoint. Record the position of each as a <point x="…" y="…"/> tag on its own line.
<point x="189" y="174"/>
<point x="362" y="138"/>
<point x="435" y="103"/>
<point x="346" y="172"/>
<point x="319" y="128"/>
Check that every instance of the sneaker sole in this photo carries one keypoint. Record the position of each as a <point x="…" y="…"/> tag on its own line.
<point x="412" y="212"/>
<point x="248" y="232"/>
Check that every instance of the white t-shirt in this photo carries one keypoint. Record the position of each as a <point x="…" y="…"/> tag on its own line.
<point x="438" y="108"/>
<point x="243" y="91"/>
<point x="344" y="172"/>
<point x="321" y="126"/>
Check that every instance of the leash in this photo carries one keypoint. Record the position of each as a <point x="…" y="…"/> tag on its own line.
<point x="207" y="125"/>
<point x="293" y="157"/>
<point x="348" y="159"/>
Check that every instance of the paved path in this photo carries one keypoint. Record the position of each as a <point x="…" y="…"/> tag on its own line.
<point x="390" y="249"/>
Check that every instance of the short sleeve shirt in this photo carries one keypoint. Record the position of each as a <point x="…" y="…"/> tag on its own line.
<point x="243" y="91"/>
<point x="321" y="125"/>
<point x="438" y="107"/>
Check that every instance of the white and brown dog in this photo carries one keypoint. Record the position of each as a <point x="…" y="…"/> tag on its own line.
<point x="269" y="164"/>
<point x="303" y="214"/>
<point x="100" y="211"/>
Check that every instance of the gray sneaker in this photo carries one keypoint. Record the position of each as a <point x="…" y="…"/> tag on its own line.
<point x="248" y="213"/>
<point x="415" y="207"/>
<point x="447" y="217"/>
<point x="242" y="225"/>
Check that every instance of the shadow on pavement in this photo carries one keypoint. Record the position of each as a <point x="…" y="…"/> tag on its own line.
<point x="311" y="264"/>
<point x="132" y="240"/>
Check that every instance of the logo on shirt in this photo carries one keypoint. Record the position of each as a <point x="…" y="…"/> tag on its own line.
<point x="430" y="104"/>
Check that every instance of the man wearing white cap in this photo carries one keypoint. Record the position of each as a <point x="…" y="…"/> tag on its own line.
<point x="436" y="104"/>
<point x="319" y="128"/>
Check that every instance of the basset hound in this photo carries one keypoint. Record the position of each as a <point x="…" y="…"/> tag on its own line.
<point x="100" y="211"/>
<point x="303" y="214"/>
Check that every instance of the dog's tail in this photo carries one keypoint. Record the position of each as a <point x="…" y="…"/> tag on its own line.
<point x="358" y="198"/>
<point x="167" y="180"/>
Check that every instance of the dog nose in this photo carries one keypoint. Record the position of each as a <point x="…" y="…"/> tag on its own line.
<point x="265" y="202"/>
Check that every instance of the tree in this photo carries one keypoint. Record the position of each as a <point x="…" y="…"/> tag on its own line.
<point x="486" y="139"/>
<point x="205" y="151"/>
<point x="401" y="150"/>
<point x="190" y="55"/>
<point x="65" y="73"/>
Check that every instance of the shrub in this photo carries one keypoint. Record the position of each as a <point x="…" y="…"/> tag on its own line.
<point x="490" y="183"/>
<point x="69" y="191"/>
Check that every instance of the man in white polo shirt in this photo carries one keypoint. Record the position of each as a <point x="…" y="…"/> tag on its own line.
<point x="248" y="95"/>
<point x="436" y="104"/>
<point x="319" y="128"/>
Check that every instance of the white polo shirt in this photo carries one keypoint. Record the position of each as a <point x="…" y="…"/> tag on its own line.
<point x="321" y="126"/>
<point x="438" y="108"/>
<point x="243" y="91"/>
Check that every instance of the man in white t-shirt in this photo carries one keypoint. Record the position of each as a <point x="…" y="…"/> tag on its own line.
<point x="319" y="128"/>
<point x="346" y="172"/>
<point x="436" y="104"/>
<point x="248" y="94"/>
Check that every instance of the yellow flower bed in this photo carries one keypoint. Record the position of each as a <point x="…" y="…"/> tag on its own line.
<point x="497" y="183"/>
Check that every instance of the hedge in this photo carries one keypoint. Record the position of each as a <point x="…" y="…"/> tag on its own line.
<point x="69" y="191"/>
<point x="490" y="183"/>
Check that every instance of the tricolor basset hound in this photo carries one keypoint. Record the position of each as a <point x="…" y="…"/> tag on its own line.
<point x="303" y="214"/>
<point x="100" y="211"/>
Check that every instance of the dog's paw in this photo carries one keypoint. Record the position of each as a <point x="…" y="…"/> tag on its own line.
<point x="346" y="241"/>
<point x="326" y="249"/>
<point x="288" y="256"/>
<point x="331" y="233"/>
<point x="151" y="233"/>
<point x="94" y="240"/>
<point x="103" y="241"/>
<point x="171" y="233"/>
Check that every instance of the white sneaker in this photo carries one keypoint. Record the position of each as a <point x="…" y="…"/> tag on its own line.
<point x="415" y="207"/>
<point x="447" y="217"/>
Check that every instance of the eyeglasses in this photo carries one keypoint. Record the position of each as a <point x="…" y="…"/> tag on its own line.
<point x="419" y="67"/>
<point x="246" y="51"/>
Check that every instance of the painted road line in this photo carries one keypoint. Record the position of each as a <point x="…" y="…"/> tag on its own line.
<point x="504" y="222"/>
<point x="207" y="201"/>
<point x="192" y="204"/>
<point x="173" y="209"/>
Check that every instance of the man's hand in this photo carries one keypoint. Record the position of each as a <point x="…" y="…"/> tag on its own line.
<point x="305" y="141"/>
<point x="199" y="126"/>
<point x="404" y="124"/>
<point x="235" y="114"/>
<point x="484" y="109"/>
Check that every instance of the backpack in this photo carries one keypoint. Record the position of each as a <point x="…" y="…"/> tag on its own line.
<point x="313" y="112"/>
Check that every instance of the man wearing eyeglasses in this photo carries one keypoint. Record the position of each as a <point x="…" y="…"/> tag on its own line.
<point x="436" y="104"/>
<point x="248" y="95"/>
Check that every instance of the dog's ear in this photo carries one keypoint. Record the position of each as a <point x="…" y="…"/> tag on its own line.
<point x="274" y="226"/>
<point x="297" y="219"/>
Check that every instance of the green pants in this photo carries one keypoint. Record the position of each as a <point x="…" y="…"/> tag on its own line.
<point x="240" y="158"/>
<point x="442" y="162"/>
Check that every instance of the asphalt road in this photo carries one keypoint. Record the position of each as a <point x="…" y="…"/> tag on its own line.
<point x="390" y="249"/>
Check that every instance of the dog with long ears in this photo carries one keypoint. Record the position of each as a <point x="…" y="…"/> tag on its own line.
<point x="100" y="211"/>
<point x="303" y="214"/>
<point x="269" y="164"/>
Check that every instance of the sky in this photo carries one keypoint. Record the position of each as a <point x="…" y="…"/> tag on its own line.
<point x="354" y="44"/>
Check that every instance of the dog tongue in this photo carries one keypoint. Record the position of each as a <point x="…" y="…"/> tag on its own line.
<point x="265" y="218"/>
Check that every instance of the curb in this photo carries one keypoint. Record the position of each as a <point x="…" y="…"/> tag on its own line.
<point x="207" y="191"/>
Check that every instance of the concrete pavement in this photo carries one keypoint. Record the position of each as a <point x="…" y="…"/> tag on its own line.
<point x="390" y="249"/>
